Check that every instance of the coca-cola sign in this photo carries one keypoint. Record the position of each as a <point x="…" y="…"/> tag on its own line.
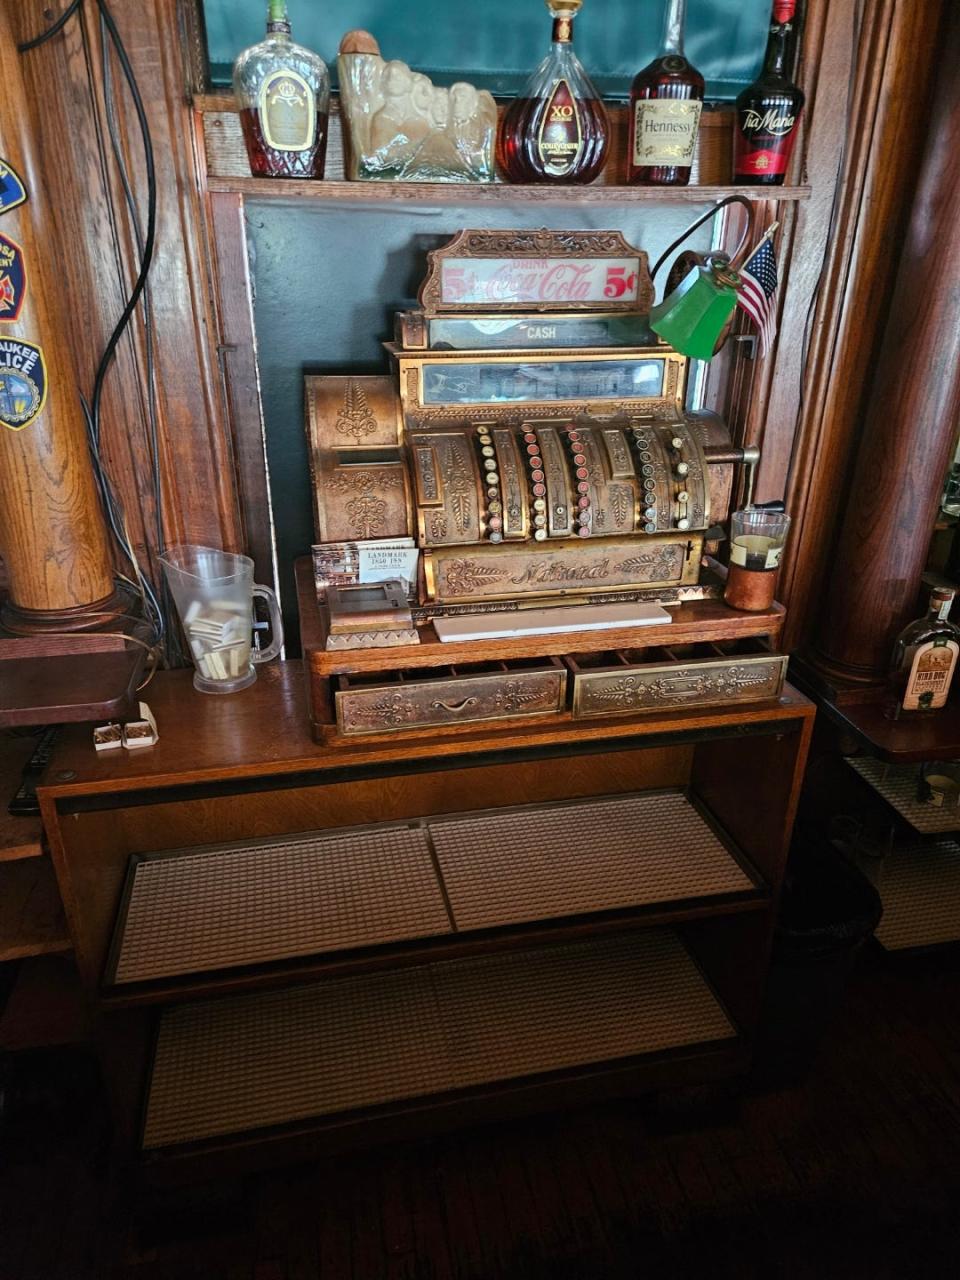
<point x="538" y="281"/>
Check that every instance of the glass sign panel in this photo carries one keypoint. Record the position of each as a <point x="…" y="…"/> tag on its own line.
<point x="504" y="333"/>
<point x="498" y="282"/>
<point x="510" y="383"/>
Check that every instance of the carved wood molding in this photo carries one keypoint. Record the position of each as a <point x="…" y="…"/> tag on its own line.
<point x="830" y="335"/>
<point x="195" y="445"/>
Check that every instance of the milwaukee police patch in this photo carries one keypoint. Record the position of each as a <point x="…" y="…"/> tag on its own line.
<point x="13" y="279"/>
<point x="12" y="190"/>
<point x="23" y="383"/>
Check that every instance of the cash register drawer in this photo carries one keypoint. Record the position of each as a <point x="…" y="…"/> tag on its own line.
<point x="450" y="695"/>
<point x="625" y="681"/>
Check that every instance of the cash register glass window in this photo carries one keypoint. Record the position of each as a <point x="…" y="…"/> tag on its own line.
<point x="508" y="383"/>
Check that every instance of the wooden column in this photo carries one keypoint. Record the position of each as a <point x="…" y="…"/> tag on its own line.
<point x="912" y="411"/>
<point x="53" y="538"/>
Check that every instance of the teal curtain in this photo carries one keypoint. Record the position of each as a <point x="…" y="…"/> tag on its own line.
<point x="497" y="43"/>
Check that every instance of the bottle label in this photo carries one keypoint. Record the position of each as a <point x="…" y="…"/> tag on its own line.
<point x="773" y="122"/>
<point x="288" y="112"/>
<point x="561" y="137"/>
<point x="931" y="671"/>
<point x="665" y="132"/>
<point x="943" y="612"/>
<point x="752" y="551"/>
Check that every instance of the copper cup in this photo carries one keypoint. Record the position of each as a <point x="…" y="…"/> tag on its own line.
<point x="757" y="538"/>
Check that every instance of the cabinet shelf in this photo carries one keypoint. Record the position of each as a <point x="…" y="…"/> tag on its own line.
<point x="228" y="170"/>
<point x="31" y="914"/>
<point x="322" y="1052"/>
<point x="897" y="784"/>
<point x="440" y="880"/>
<point x="441" y="193"/>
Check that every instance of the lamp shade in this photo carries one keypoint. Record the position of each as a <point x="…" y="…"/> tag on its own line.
<point x="692" y="318"/>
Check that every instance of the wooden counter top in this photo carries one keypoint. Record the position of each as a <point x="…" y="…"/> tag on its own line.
<point x="264" y="731"/>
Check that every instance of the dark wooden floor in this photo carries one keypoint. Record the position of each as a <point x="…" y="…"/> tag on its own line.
<point x="854" y="1174"/>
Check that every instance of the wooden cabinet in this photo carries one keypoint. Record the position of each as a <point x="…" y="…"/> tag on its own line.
<point x="291" y="945"/>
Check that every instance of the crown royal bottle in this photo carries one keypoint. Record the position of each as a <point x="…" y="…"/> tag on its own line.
<point x="283" y="92"/>
<point x="768" y="111"/>
<point x="925" y="659"/>
<point x="557" y="130"/>
<point x="666" y="99"/>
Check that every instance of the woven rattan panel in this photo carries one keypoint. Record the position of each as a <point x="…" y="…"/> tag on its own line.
<point x="253" y="1062"/>
<point x="920" y="888"/>
<point x="898" y="785"/>
<point x="222" y="907"/>
<point x="561" y="860"/>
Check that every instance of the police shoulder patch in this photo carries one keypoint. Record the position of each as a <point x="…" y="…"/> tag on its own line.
<point x="23" y="382"/>
<point x="12" y="190"/>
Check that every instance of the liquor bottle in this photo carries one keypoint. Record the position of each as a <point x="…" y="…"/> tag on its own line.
<point x="924" y="659"/>
<point x="283" y="91"/>
<point x="666" y="98"/>
<point x="768" y="111"/>
<point x="557" y="130"/>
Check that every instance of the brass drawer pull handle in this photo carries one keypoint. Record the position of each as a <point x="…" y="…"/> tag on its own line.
<point x="455" y="706"/>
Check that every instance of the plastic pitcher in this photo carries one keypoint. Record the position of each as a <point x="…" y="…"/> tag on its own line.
<point x="214" y="591"/>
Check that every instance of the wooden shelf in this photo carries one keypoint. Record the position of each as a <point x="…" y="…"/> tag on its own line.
<point x="897" y="784"/>
<point x="31" y="913"/>
<point x="228" y="171"/>
<point x="264" y="732"/>
<point x="395" y="893"/>
<point x="320" y="1053"/>
<point x="919" y="885"/>
<point x="433" y="193"/>
<point x="19" y="837"/>
<point x="697" y="620"/>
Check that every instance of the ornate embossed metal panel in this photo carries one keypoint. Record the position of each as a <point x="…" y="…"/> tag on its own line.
<point x="457" y="699"/>
<point x="662" y="686"/>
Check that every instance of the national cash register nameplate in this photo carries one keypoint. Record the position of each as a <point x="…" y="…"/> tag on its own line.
<point x="454" y="574"/>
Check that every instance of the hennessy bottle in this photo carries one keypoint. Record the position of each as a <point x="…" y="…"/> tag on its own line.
<point x="283" y="92"/>
<point x="666" y="98"/>
<point x="557" y="130"/>
<point x="768" y="111"/>
<point x="924" y="659"/>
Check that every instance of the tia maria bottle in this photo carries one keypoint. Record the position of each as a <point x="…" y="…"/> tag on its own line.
<point x="557" y="130"/>
<point x="768" y="111"/>
<point x="666" y="98"/>
<point x="283" y="91"/>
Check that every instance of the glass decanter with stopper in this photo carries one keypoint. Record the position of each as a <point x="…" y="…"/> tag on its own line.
<point x="557" y="129"/>
<point x="666" y="99"/>
<point x="283" y="92"/>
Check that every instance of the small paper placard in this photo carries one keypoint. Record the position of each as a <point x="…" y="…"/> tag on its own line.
<point x="380" y="561"/>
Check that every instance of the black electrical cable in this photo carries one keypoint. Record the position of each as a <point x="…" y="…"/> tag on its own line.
<point x="145" y="246"/>
<point x="150" y="236"/>
<point x="148" y="327"/>
<point x="50" y="32"/>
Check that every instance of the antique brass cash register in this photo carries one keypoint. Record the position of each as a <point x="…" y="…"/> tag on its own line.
<point x="533" y="442"/>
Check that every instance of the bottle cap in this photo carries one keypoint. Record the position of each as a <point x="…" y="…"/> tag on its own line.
<point x="569" y="8"/>
<point x="783" y="10"/>
<point x="942" y="594"/>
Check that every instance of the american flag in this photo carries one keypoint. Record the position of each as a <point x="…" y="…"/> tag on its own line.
<point x="756" y="296"/>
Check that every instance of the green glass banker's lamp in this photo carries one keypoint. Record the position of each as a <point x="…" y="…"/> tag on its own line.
<point x="701" y="292"/>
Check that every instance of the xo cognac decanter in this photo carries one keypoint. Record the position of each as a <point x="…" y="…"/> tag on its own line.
<point x="557" y="130"/>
